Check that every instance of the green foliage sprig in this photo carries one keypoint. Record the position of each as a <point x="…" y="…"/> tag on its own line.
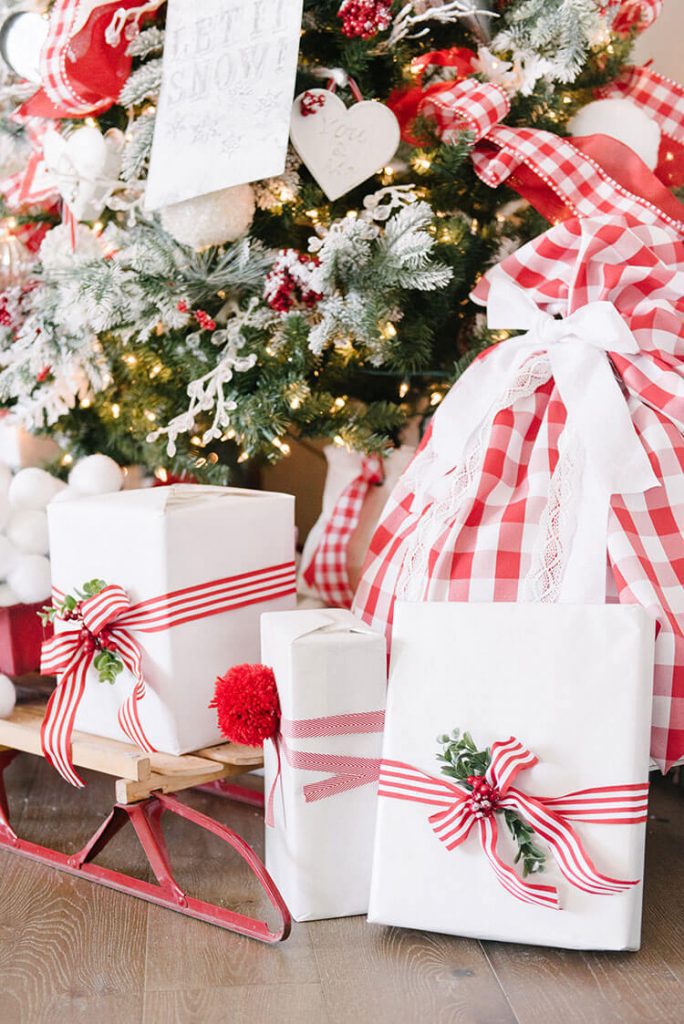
<point x="106" y="662"/>
<point x="461" y="759"/>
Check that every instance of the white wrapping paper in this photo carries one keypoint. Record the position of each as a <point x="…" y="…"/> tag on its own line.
<point x="319" y="854"/>
<point x="155" y="541"/>
<point x="573" y="684"/>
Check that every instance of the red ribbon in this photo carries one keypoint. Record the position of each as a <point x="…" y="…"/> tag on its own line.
<point x="406" y="103"/>
<point x="81" y="73"/>
<point x="345" y="772"/>
<point x="327" y="571"/>
<point x="109" y="620"/>
<point x="459" y="810"/>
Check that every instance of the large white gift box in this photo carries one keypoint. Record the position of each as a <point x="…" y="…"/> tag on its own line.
<point x="571" y="684"/>
<point x="319" y="847"/>
<point x="163" y="540"/>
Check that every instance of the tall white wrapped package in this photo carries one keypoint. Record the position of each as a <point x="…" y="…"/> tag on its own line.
<point x="161" y="540"/>
<point x="319" y="853"/>
<point x="573" y="685"/>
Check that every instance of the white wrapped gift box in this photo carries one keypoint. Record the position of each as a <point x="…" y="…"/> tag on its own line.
<point x="160" y="540"/>
<point x="573" y="685"/>
<point x="319" y="853"/>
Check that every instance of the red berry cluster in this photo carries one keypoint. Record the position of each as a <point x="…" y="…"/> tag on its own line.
<point x="43" y="374"/>
<point x="200" y="315"/>
<point x="311" y="103"/>
<point x="288" y="283"/>
<point x="91" y="642"/>
<point x="484" y="796"/>
<point x="363" y="19"/>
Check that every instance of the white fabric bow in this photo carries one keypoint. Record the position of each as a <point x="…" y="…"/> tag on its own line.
<point x="577" y="348"/>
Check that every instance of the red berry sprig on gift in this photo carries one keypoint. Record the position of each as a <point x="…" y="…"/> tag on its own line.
<point x="247" y="706"/>
<point x="106" y="660"/>
<point x="363" y="19"/>
<point x="288" y="284"/>
<point x="463" y="763"/>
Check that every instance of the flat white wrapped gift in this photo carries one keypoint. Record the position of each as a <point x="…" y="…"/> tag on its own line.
<point x="573" y="685"/>
<point x="159" y="541"/>
<point x="327" y="665"/>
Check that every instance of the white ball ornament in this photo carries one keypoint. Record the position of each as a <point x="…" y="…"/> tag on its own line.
<point x="30" y="579"/>
<point x="622" y="120"/>
<point x="5" y="478"/>
<point x="33" y="488"/>
<point x="5" y="510"/>
<point x="211" y="219"/>
<point x="68" y="494"/>
<point x="8" y="558"/>
<point x="7" y="596"/>
<point x="8" y="696"/>
<point x="96" y="474"/>
<point x="27" y="530"/>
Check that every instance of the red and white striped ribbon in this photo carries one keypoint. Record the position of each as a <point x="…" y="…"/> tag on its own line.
<point x="346" y="772"/>
<point x="109" y="616"/>
<point x="328" y="571"/>
<point x="455" y="817"/>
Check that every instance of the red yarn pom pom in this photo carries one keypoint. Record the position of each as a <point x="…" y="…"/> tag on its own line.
<point x="246" y="701"/>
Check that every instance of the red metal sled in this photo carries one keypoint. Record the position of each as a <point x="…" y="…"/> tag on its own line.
<point x="143" y="798"/>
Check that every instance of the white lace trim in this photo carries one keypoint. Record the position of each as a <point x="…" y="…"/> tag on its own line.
<point x="413" y="579"/>
<point x="557" y="526"/>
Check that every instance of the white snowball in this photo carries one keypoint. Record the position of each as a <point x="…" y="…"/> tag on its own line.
<point x="96" y="474"/>
<point x="8" y="557"/>
<point x="5" y="510"/>
<point x="68" y="494"/>
<point x="8" y="696"/>
<point x="30" y="579"/>
<point x="28" y="531"/>
<point x="211" y="219"/>
<point x="5" y="478"/>
<point x="621" y="120"/>
<point x="33" y="488"/>
<point x="7" y="596"/>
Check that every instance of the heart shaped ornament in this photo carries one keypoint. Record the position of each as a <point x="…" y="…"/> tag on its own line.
<point x="342" y="146"/>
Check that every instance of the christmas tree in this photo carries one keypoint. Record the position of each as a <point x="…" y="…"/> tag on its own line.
<point x="211" y="334"/>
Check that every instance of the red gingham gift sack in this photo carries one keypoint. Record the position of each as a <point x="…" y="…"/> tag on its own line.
<point x="554" y="468"/>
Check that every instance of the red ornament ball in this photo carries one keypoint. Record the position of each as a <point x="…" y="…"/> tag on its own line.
<point x="247" y="706"/>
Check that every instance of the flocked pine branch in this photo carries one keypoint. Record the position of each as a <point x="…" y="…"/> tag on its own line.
<point x="147" y="43"/>
<point x="143" y="84"/>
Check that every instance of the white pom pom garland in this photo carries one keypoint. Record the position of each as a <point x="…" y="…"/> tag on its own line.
<point x="30" y="579"/>
<point x="33" y="488"/>
<point x="8" y="696"/>
<point x="27" y="530"/>
<point x="96" y="474"/>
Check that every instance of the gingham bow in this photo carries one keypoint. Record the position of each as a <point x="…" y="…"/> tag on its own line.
<point x="577" y="348"/>
<point x="459" y="811"/>
<point x="107" y="621"/>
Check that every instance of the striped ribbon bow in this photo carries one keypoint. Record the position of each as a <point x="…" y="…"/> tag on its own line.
<point x="344" y="772"/>
<point x="327" y="571"/>
<point x="108" y="620"/>
<point x="459" y="810"/>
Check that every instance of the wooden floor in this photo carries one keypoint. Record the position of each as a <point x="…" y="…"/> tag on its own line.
<point x="73" y="952"/>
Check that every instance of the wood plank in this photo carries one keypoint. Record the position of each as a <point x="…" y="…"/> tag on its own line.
<point x="69" y="950"/>
<point x="130" y="791"/>
<point x="21" y="731"/>
<point x="234" y="753"/>
<point x="374" y="973"/>
<point x="255" y="1003"/>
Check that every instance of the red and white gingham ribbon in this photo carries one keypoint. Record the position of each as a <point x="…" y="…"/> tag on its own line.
<point x="661" y="98"/>
<point x="328" y="571"/>
<point x="345" y="772"/>
<point x="468" y="106"/>
<point x="548" y="816"/>
<point x="110" y="616"/>
<point x="33" y="184"/>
